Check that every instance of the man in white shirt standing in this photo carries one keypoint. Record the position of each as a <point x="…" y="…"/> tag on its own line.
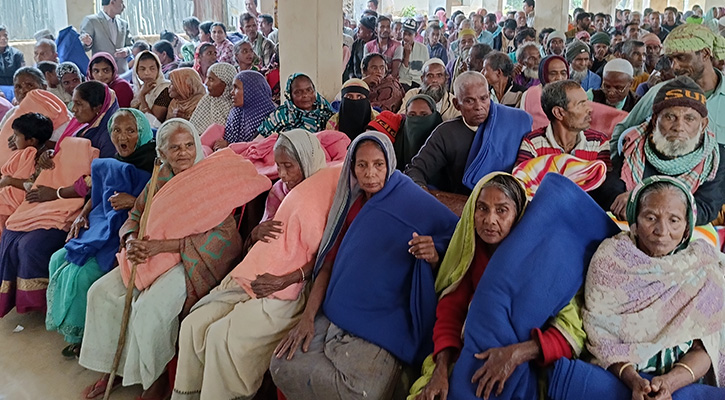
<point x="106" y="31"/>
<point x="415" y="54"/>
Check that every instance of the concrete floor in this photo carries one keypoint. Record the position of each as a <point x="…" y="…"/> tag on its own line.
<point x="32" y="368"/>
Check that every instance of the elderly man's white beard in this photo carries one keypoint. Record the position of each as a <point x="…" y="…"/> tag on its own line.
<point x="531" y="73"/>
<point x="578" y="76"/>
<point x="638" y="71"/>
<point x="675" y="148"/>
<point x="435" y="92"/>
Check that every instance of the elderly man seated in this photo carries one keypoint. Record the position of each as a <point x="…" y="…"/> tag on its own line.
<point x="578" y="54"/>
<point x="450" y="152"/>
<point x="498" y="70"/>
<point x="565" y="105"/>
<point x="434" y="80"/>
<point x="616" y="85"/>
<point x="676" y="142"/>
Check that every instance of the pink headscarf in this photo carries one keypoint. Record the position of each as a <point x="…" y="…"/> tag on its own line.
<point x="74" y="127"/>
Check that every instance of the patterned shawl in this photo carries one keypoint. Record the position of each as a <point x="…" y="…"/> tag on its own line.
<point x="636" y="305"/>
<point x="288" y="116"/>
<point x="190" y="90"/>
<point x="692" y="169"/>
<point x="215" y="110"/>
<point x="243" y="121"/>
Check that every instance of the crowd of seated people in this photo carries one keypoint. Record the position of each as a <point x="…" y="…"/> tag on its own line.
<point x="484" y="211"/>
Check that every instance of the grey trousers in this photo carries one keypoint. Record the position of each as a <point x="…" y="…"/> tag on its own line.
<point x="338" y="366"/>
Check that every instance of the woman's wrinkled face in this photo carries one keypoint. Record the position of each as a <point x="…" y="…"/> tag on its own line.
<point x="102" y="72"/>
<point x="303" y="93"/>
<point x="370" y="168"/>
<point x="245" y="55"/>
<point x="82" y="110"/>
<point x="214" y="85"/>
<point x="147" y="70"/>
<point x="180" y="151"/>
<point x="661" y="222"/>
<point x="69" y="82"/>
<point x="495" y="215"/>
<point x="23" y="84"/>
<point x="124" y="133"/>
<point x="290" y="171"/>
<point x="173" y="93"/>
<point x="238" y="93"/>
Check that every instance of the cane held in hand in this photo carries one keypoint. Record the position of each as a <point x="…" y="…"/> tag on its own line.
<point x="129" y="289"/>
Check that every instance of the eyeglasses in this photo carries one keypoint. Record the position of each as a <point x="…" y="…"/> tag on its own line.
<point x="607" y="88"/>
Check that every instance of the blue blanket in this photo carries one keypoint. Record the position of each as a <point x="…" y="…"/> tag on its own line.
<point x="575" y="380"/>
<point x="101" y="239"/>
<point x="70" y="48"/>
<point x="496" y="143"/>
<point x="380" y="292"/>
<point x="532" y="275"/>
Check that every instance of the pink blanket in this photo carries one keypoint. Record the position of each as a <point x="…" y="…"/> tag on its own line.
<point x="224" y="179"/>
<point x="261" y="151"/>
<point x="604" y="117"/>
<point x="304" y="214"/>
<point x="20" y="166"/>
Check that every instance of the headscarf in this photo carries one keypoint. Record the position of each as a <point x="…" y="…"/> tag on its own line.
<point x="415" y="131"/>
<point x="462" y="247"/>
<point x="68" y="68"/>
<point x="348" y="190"/>
<point x="688" y="38"/>
<point x="215" y="110"/>
<point x="243" y="122"/>
<point x="188" y="85"/>
<point x="288" y="116"/>
<point x="354" y="115"/>
<point x="165" y="129"/>
<point x="145" y="150"/>
<point x="305" y="148"/>
<point x="75" y="128"/>
<point x="635" y="196"/>
<point x="161" y="82"/>
<point x="124" y="92"/>
<point x="544" y="67"/>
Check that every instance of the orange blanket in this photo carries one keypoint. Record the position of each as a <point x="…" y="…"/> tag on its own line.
<point x="39" y="101"/>
<point x="304" y="214"/>
<point x="194" y="202"/>
<point x="20" y="166"/>
<point x="604" y="117"/>
<point x="72" y="161"/>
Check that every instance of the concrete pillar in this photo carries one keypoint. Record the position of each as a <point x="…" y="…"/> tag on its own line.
<point x="76" y="10"/>
<point x="310" y="41"/>
<point x="267" y="6"/>
<point x="658" y="5"/>
<point x="603" y="6"/>
<point x="552" y="14"/>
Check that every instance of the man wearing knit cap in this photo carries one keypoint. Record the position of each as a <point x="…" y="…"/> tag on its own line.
<point x="693" y="50"/>
<point x="600" y="43"/>
<point x="616" y="86"/>
<point x="555" y="43"/>
<point x="676" y="142"/>
<point x="414" y="56"/>
<point x="434" y="84"/>
<point x="577" y="54"/>
<point x="653" y="51"/>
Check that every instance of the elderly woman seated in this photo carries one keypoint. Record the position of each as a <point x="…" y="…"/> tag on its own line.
<point x="180" y="259"/>
<point x="93" y="239"/>
<point x="663" y="293"/>
<point x="214" y="107"/>
<point x="304" y="108"/>
<point x="358" y="344"/>
<point x="676" y="142"/>
<point x="226" y="344"/>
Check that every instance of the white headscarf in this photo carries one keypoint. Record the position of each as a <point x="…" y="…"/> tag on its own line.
<point x="306" y="148"/>
<point x="215" y="110"/>
<point x="172" y="125"/>
<point x="161" y="82"/>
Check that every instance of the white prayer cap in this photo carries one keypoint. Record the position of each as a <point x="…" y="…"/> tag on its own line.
<point x="619" y="65"/>
<point x="555" y="35"/>
<point x="434" y="60"/>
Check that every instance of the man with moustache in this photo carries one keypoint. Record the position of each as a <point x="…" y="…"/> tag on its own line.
<point x="577" y="54"/>
<point x="434" y="81"/>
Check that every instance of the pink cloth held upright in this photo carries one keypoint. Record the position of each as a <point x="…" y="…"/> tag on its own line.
<point x="20" y="166"/>
<point x="304" y="214"/>
<point x="224" y="179"/>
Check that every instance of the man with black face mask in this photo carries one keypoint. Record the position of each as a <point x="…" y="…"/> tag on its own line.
<point x="355" y="110"/>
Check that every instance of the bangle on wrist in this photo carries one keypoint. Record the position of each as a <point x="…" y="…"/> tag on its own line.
<point x="303" y="274"/>
<point x="623" y="367"/>
<point x="57" y="193"/>
<point x="687" y="367"/>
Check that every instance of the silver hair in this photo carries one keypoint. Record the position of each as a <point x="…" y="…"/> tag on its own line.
<point x="33" y="73"/>
<point x="522" y="48"/>
<point x="284" y="145"/>
<point x="48" y="42"/>
<point x="466" y="79"/>
<point x="238" y="46"/>
<point x="165" y="131"/>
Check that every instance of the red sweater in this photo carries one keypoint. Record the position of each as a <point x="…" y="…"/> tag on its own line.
<point x="453" y="308"/>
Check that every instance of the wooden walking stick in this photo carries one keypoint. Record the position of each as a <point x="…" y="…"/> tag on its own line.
<point x="132" y="280"/>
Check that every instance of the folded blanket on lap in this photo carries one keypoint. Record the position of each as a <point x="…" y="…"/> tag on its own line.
<point x="532" y="275"/>
<point x="21" y="165"/>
